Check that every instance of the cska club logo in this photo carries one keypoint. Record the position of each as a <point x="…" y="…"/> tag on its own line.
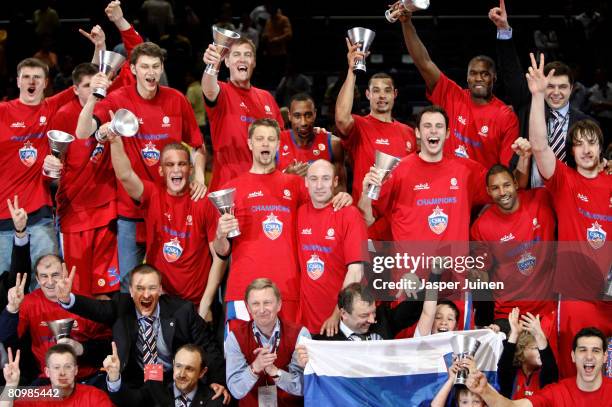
<point x="113" y="276"/>
<point x="461" y="152"/>
<point x="272" y="227"/>
<point x="28" y="154"/>
<point x="172" y="250"/>
<point x="596" y="236"/>
<point x="438" y="221"/>
<point x="315" y="267"/>
<point x="96" y="154"/>
<point x="150" y="154"/>
<point x="526" y="264"/>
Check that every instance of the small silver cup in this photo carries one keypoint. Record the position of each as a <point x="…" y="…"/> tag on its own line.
<point x="224" y="202"/>
<point x="410" y="5"/>
<point x="463" y="346"/>
<point x="384" y="163"/>
<point x="58" y="143"/>
<point x="364" y="37"/>
<point x="109" y="63"/>
<point x="222" y="40"/>
<point x="61" y="328"/>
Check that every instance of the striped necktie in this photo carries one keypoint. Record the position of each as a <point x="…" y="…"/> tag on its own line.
<point x="556" y="136"/>
<point x="181" y="401"/>
<point x="147" y="340"/>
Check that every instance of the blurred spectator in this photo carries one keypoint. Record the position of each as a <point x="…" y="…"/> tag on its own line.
<point x="275" y="38"/>
<point x="291" y="84"/>
<point x="580" y="94"/>
<point x="246" y="29"/>
<point x="259" y="15"/>
<point x="63" y="79"/>
<point x="157" y="15"/>
<point x="546" y="39"/>
<point x="225" y="17"/>
<point x="46" y="20"/>
<point x="46" y="55"/>
<point x="601" y="102"/>
<point x="178" y="55"/>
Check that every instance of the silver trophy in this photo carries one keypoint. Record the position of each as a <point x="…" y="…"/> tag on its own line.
<point x="224" y="202"/>
<point x="61" y="328"/>
<point x="222" y="40"/>
<point x="384" y="163"/>
<point x="463" y="346"/>
<point x="364" y="37"/>
<point x="109" y="63"/>
<point x="58" y="143"/>
<point x="409" y="5"/>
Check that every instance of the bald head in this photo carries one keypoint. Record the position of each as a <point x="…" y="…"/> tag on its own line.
<point x="321" y="165"/>
<point x="321" y="180"/>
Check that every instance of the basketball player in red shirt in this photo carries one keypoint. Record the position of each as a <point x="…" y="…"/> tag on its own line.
<point x="331" y="250"/>
<point x="231" y="107"/>
<point x="583" y="202"/>
<point x="481" y="126"/>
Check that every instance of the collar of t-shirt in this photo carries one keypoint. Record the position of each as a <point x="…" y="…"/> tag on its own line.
<point x="189" y="396"/>
<point x="263" y="340"/>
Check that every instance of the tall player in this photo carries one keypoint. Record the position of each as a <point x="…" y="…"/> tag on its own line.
<point x="232" y="107"/>
<point x="165" y="117"/>
<point x="23" y="145"/>
<point x="583" y="202"/>
<point x="266" y="204"/>
<point x="331" y="250"/>
<point x="482" y="127"/>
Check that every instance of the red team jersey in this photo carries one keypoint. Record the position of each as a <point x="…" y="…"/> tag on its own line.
<point x="370" y="134"/>
<point x="165" y="119"/>
<point x="177" y="240"/>
<point x="567" y="394"/>
<point x="24" y="145"/>
<point x="265" y="206"/>
<point x="230" y="116"/>
<point x="82" y="396"/>
<point x="319" y="148"/>
<point x="483" y="133"/>
<point x="86" y="198"/>
<point x="328" y="241"/>
<point x="520" y="252"/>
<point x="34" y="313"/>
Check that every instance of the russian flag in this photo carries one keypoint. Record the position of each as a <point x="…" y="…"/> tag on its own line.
<point x="402" y="372"/>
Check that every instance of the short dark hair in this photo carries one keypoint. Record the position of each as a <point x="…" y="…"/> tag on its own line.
<point x="452" y="306"/>
<point x="60" y="349"/>
<point x="301" y="97"/>
<point x="82" y="70"/>
<point x="498" y="169"/>
<point x="44" y="256"/>
<point x="487" y="60"/>
<point x="347" y="295"/>
<point x="588" y="129"/>
<point x="590" y="332"/>
<point x="265" y="122"/>
<point x="432" y="109"/>
<point x="33" y="63"/>
<point x="560" y="70"/>
<point x="190" y="347"/>
<point x="144" y="269"/>
<point x="381" y="75"/>
<point x="148" y="49"/>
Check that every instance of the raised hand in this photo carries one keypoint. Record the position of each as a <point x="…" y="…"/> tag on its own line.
<point x="11" y="369"/>
<point x="96" y="36"/>
<point x="100" y="80"/>
<point x="16" y="294"/>
<point x="19" y="215"/>
<point x="476" y="382"/>
<point x="499" y="17"/>
<point x="52" y="165"/>
<point x="536" y="80"/>
<point x="212" y="56"/>
<point x="515" y="326"/>
<point x="64" y="285"/>
<point x="522" y="147"/>
<point x="354" y="54"/>
<point x="226" y="224"/>
<point x="112" y="364"/>
<point x="531" y="324"/>
<point x="113" y="11"/>
<point x="197" y="188"/>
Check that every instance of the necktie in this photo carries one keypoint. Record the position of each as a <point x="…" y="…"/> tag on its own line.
<point x="147" y="340"/>
<point x="556" y="137"/>
<point x="182" y="401"/>
<point x="358" y="337"/>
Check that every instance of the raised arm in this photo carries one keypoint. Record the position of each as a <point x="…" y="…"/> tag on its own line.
<point x="115" y="14"/>
<point x="123" y="168"/>
<point x="98" y="39"/>
<point x="217" y="269"/>
<point x="344" y="102"/>
<point x="428" y="70"/>
<point x="210" y="84"/>
<point x="86" y="125"/>
<point x="477" y="383"/>
<point x="537" y="82"/>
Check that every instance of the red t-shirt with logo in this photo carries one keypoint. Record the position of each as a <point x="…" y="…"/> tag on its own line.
<point x="177" y="240"/>
<point x="82" y="396"/>
<point x="567" y="394"/>
<point x="266" y="208"/>
<point x="34" y="313"/>
<point x="484" y="133"/>
<point x="164" y="119"/>
<point x="520" y="252"/>
<point x="234" y="110"/>
<point x="24" y="145"/>
<point x="318" y="148"/>
<point x="87" y="193"/>
<point x="370" y="134"/>
<point x="328" y="241"/>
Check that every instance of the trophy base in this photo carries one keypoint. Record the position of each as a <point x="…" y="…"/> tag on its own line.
<point x="359" y="67"/>
<point x="211" y="70"/>
<point x="233" y="233"/>
<point x="373" y="192"/>
<point x="51" y="174"/>
<point x="100" y="93"/>
<point x="389" y="17"/>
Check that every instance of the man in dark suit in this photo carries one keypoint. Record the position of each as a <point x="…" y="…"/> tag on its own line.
<point x="189" y="368"/>
<point x="147" y="327"/>
<point x="560" y="114"/>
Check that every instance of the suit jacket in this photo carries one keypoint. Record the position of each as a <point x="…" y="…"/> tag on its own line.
<point x="180" y="325"/>
<point x="157" y="394"/>
<point x="20" y="263"/>
<point x="389" y="321"/>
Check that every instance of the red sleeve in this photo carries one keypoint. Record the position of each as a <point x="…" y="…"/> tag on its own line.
<point x="445" y="89"/>
<point x="554" y="183"/>
<point x="211" y="214"/>
<point x="60" y="121"/>
<point x="147" y="194"/>
<point x="510" y="132"/>
<point x="479" y="245"/>
<point x="301" y="189"/>
<point x="277" y="113"/>
<point x="130" y="39"/>
<point x="58" y="100"/>
<point x="386" y="198"/>
<point x="544" y="397"/>
<point x="191" y="131"/>
<point x="102" y="108"/>
<point x="355" y="237"/>
<point x="349" y="139"/>
<point x="218" y="109"/>
<point x="478" y="184"/>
